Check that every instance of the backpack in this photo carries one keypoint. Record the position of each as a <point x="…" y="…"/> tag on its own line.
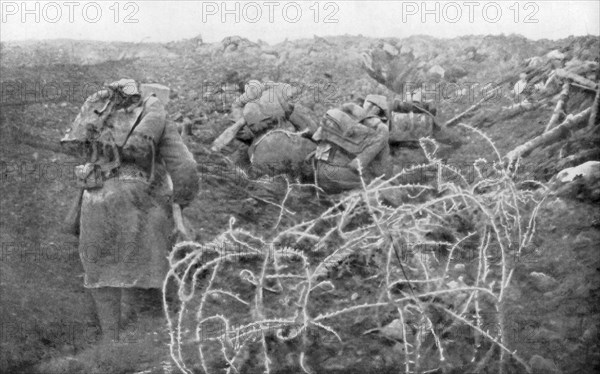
<point x="346" y="131"/>
<point x="272" y="105"/>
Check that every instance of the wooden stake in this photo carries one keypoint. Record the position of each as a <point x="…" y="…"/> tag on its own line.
<point x="455" y="120"/>
<point x="559" y="110"/>
<point x="571" y="123"/>
<point x="594" y="119"/>
<point x="562" y="73"/>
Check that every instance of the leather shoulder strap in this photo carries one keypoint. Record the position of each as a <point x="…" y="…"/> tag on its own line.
<point x="138" y="119"/>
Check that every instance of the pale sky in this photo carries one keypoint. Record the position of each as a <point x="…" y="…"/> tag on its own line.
<point x="274" y="21"/>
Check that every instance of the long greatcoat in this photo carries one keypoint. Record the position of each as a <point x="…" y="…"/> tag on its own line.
<point x="126" y="225"/>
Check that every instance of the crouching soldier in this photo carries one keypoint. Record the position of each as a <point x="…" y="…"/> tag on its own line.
<point x="351" y="138"/>
<point x="261" y="109"/>
<point x="268" y="106"/>
<point x="138" y="169"/>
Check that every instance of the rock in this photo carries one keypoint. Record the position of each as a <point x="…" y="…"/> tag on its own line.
<point x="177" y="116"/>
<point x="437" y="69"/>
<point x="555" y="55"/>
<point x="230" y="48"/>
<point x="271" y="52"/>
<point x="406" y="50"/>
<point x="237" y="43"/>
<point x="589" y="171"/>
<point x="392" y="330"/>
<point x="542" y="282"/>
<point x="535" y="62"/>
<point x="268" y="57"/>
<point x="582" y="239"/>
<point x="581" y="182"/>
<point x="459" y="268"/>
<point x="454" y="73"/>
<point x="390" y="49"/>
<point x="540" y="365"/>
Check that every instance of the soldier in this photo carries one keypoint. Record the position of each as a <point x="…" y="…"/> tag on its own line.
<point x="266" y="106"/>
<point x="262" y="108"/>
<point x="350" y="137"/>
<point x="138" y="166"/>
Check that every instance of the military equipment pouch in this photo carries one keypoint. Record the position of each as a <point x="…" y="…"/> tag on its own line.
<point x="89" y="176"/>
<point x="129" y="172"/>
<point x="410" y="126"/>
<point x="322" y="152"/>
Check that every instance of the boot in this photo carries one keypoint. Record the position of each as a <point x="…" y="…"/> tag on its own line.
<point x="302" y="121"/>
<point x="108" y="308"/>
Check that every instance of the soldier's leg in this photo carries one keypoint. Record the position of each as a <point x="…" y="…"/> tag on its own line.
<point x="241" y="158"/>
<point x="139" y="300"/>
<point x="129" y="302"/>
<point x="336" y="179"/>
<point x="308" y="173"/>
<point x="108" y="308"/>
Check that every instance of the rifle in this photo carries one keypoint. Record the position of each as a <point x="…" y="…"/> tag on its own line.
<point x="179" y="226"/>
<point x="227" y="136"/>
<point x="71" y="223"/>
